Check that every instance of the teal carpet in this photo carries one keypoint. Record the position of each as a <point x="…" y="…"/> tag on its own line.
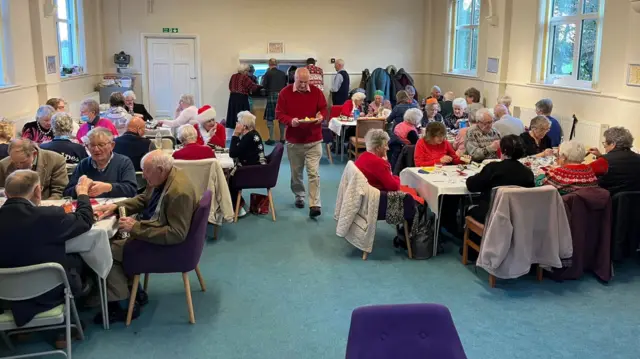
<point x="286" y="290"/>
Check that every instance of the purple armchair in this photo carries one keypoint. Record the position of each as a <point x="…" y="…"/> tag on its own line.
<point x="143" y="257"/>
<point x="258" y="176"/>
<point x="407" y="331"/>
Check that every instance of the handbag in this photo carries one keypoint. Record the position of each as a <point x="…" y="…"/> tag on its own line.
<point x="258" y="204"/>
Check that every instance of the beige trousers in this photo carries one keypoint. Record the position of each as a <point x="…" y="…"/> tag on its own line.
<point x="307" y="155"/>
<point x="117" y="281"/>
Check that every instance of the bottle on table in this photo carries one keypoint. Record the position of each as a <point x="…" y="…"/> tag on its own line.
<point x="356" y="114"/>
<point x="158" y="140"/>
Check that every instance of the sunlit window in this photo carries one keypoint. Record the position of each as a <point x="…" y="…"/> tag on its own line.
<point x="465" y="28"/>
<point x="68" y="30"/>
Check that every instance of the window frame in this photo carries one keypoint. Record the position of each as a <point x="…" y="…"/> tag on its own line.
<point x="550" y="22"/>
<point x="73" y="23"/>
<point x="454" y="28"/>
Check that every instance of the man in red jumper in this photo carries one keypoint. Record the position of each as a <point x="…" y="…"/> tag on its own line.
<point x="304" y="138"/>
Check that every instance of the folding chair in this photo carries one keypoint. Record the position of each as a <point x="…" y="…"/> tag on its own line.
<point x="41" y="278"/>
<point x="362" y="127"/>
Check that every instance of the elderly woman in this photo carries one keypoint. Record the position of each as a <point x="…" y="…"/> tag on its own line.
<point x="434" y="148"/>
<point x="572" y="174"/>
<point x="209" y="131"/>
<point x="483" y="141"/>
<point x="432" y="114"/>
<point x="240" y="87"/>
<point x="117" y="114"/>
<point x="458" y="117"/>
<point x="90" y="116"/>
<point x="186" y="112"/>
<point x="378" y="105"/>
<point x="58" y="104"/>
<point x="356" y="103"/>
<point x="472" y="96"/>
<point x="192" y="150"/>
<point x="436" y="93"/>
<point x="40" y="131"/>
<point x="407" y="130"/>
<point x="246" y="147"/>
<point x="536" y="142"/>
<point x="7" y="132"/>
<point x="62" y="125"/>
<point x="135" y="108"/>
<point x="506" y="101"/>
<point x="619" y="168"/>
<point x="403" y="103"/>
<point x="461" y="137"/>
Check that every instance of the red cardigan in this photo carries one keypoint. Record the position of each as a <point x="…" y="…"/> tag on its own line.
<point x="347" y="109"/>
<point x="378" y="172"/>
<point x="429" y="155"/>
<point x="300" y="105"/>
<point x="219" y="139"/>
<point x="194" y="151"/>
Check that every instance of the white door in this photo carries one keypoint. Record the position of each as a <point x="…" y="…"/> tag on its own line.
<point x="171" y="73"/>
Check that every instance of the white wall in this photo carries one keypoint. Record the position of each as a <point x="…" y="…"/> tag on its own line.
<point x="362" y="32"/>
<point x="513" y="41"/>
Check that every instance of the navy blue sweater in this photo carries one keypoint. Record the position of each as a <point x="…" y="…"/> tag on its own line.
<point x="119" y="173"/>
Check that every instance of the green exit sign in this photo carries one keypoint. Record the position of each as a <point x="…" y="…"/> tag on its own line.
<point x="173" y="30"/>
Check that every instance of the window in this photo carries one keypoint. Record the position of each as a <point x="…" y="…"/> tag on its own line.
<point x="572" y="40"/>
<point x="67" y="27"/>
<point x="465" y="21"/>
<point x="5" y="49"/>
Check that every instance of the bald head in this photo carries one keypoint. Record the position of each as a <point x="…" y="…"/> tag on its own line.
<point x="302" y="79"/>
<point x="23" y="184"/>
<point x="136" y="125"/>
<point x="500" y="110"/>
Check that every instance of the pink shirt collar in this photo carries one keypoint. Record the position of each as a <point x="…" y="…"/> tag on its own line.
<point x="295" y="89"/>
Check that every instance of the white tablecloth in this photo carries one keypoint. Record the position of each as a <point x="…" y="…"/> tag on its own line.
<point x="336" y="125"/>
<point x="431" y="186"/>
<point x="226" y="162"/>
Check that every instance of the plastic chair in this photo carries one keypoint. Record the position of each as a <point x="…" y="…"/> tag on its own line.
<point x="258" y="176"/>
<point x="362" y="127"/>
<point x="407" y="331"/>
<point x="41" y="278"/>
<point x="143" y="257"/>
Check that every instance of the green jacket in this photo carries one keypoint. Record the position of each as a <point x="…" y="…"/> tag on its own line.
<point x="172" y="219"/>
<point x="52" y="169"/>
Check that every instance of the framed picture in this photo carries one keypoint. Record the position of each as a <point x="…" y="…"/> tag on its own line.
<point x="633" y="75"/>
<point x="51" y="65"/>
<point x="492" y="65"/>
<point x="276" y="48"/>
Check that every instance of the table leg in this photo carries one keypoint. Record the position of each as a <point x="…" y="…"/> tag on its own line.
<point x="437" y="234"/>
<point x="103" y="282"/>
<point x="103" y="304"/>
<point x="342" y="134"/>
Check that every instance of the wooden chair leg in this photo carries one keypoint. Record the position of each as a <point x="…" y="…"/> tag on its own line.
<point x="132" y="298"/>
<point x="216" y="228"/>
<point x="271" y="205"/>
<point x="492" y="281"/>
<point x="146" y="281"/>
<point x="200" y="279"/>
<point x="187" y="289"/>
<point x="539" y="273"/>
<point x="328" y="149"/>
<point x="235" y="218"/>
<point x="364" y="256"/>
<point x="465" y="247"/>
<point x="406" y="238"/>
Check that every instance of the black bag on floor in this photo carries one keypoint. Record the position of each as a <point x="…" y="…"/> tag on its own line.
<point x="422" y="234"/>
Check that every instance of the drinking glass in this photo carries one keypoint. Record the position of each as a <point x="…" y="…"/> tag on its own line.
<point x="438" y="168"/>
<point x="68" y="204"/>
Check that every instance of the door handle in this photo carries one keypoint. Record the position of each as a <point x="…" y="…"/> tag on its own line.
<point x="193" y="78"/>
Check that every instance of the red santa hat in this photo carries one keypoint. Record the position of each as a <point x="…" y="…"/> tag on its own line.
<point x="206" y="113"/>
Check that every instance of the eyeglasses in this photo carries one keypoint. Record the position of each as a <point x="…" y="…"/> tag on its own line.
<point x="98" y="145"/>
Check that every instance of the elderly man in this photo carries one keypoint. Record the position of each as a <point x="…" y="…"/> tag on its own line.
<point x="506" y="124"/>
<point x="483" y="141"/>
<point x="113" y="174"/>
<point x="544" y="108"/>
<point x="35" y="235"/>
<point x="39" y="131"/>
<point x="436" y="93"/>
<point x="274" y="80"/>
<point x="162" y="217"/>
<point x="133" y="144"/>
<point x="62" y="125"/>
<point x="340" y="85"/>
<point x="297" y="102"/>
<point x="90" y="116"/>
<point x="50" y="166"/>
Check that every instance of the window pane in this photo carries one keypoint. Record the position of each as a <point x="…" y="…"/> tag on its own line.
<point x="474" y="49"/>
<point x="62" y="9"/>
<point x="461" y="54"/>
<point x="64" y="44"/>
<point x="562" y="49"/>
<point x="590" y="6"/>
<point x="476" y="12"/>
<point x="587" y="49"/>
<point x="565" y="7"/>
<point x="463" y="13"/>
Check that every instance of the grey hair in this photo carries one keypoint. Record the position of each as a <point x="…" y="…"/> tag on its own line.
<point x="479" y="115"/>
<point x="505" y="100"/>
<point x="22" y="144"/>
<point x="62" y="124"/>
<point x="130" y="94"/>
<point x="21" y="183"/>
<point x="187" y="134"/>
<point x="473" y="117"/>
<point x="375" y="139"/>
<point x="436" y="87"/>
<point x="448" y="96"/>
<point x="545" y="106"/>
<point x="460" y="102"/>
<point x="619" y="136"/>
<point x="91" y="105"/>
<point x="246" y="118"/>
<point x="100" y="132"/>
<point x="358" y="96"/>
<point x="340" y="61"/>
<point x="159" y="159"/>
<point x="573" y="151"/>
<point x="243" y="68"/>
<point x="539" y="121"/>
<point x="413" y="116"/>
<point x="44" y="112"/>
<point x="410" y="90"/>
<point x="188" y="99"/>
